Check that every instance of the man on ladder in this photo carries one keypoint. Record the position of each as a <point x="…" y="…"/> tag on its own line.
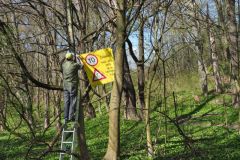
<point x="70" y="85"/>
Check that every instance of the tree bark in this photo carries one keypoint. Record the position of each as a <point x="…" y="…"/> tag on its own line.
<point x="89" y="109"/>
<point x="203" y="77"/>
<point x="81" y="145"/>
<point x="129" y="92"/>
<point x="47" y="97"/>
<point x="113" y="150"/>
<point x="222" y="23"/>
<point x="70" y="25"/>
<point x="215" y="64"/>
<point x="2" y="109"/>
<point x="232" y="37"/>
<point x="165" y="99"/>
<point x="27" y="92"/>
<point x="199" y="47"/>
<point x="147" y="120"/>
<point x="152" y="72"/>
<point x="214" y="57"/>
<point x="140" y="66"/>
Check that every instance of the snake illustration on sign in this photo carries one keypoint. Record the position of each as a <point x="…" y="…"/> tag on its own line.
<point x="92" y="60"/>
<point x="97" y="75"/>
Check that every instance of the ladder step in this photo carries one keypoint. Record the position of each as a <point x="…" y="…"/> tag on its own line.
<point x="68" y="131"/>
<point x="67" y="142"/>
<point x="67" y="145"/>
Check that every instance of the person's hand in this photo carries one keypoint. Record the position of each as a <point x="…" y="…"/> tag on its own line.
<point x="79" y="60"/>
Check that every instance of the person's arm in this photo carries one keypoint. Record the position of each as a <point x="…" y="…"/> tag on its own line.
<point x="79" y="62"/>
<point x="61" y="64"/>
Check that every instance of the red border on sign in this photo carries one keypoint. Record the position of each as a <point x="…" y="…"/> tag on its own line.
<point x="93" y="56"/>
<point x="103" y="76"/>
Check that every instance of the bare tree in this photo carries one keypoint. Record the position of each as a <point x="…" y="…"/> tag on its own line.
<point x="232" y="36"/>
<point x="113" y="150"/>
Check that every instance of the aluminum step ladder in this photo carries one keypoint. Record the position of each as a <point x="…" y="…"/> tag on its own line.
<point x="66" y="144"/>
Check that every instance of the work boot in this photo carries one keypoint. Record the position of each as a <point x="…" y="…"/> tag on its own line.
<point x="65" y="123"/>
<point x="72" y="119"/>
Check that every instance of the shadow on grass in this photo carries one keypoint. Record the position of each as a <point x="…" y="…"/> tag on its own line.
<point x="185" y="117"/>
<point x="219" y="145"/>
<point x="12" y="148"/>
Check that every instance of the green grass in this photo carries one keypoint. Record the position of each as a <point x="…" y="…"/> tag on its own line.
<point x="204" y="122"/>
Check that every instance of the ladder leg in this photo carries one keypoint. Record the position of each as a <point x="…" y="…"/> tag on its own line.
<point x="66" y="143"/>
<point x="73" y="138"/>
<point x="60" y="157"/>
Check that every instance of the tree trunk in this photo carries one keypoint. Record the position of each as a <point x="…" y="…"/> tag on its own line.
<point x="199" y="47"/>
<point x="89" y="109"/>
<point x="140" y="66"/>
<point x="57" y="106"/>
<point x="216" y="72"/>
<point x="47" y="97"/>
<point x="232" y="37"/>
<point x="81" y="145"/>
<point x="58" y="95"/>
<point x="152" y="70"/>
<point x="113" y="150"/>
<point x="70" y="34"/>
<point x="222" y="23"/>
<point x="203" y="77"/>
<point x="165" y="99"/>
<point x="107" y="99"/>
<point x="147" y="120"/>
<point x="129" y="92"/>
<point x="29" y="109"/>
<point x="38" y="89"/>
<point x="214" y="58"/>
<point x="2" y="109"/>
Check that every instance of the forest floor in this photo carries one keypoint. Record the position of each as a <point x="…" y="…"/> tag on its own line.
<point x="207" y="129"/>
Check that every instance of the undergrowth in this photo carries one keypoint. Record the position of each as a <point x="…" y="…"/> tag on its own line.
<point x="208" y="123"/>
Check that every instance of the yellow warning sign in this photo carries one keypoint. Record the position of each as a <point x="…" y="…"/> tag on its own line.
<point x="99" y="66"/>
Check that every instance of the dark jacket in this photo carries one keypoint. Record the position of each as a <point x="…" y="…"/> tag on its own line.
<point x="70" y="74"/>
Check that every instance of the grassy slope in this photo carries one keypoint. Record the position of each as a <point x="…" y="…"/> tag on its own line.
<point x="203" y="122"/>
<point x="211" y="138"/>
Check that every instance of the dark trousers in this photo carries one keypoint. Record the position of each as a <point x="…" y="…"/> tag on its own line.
<point x="70" y="102"/>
